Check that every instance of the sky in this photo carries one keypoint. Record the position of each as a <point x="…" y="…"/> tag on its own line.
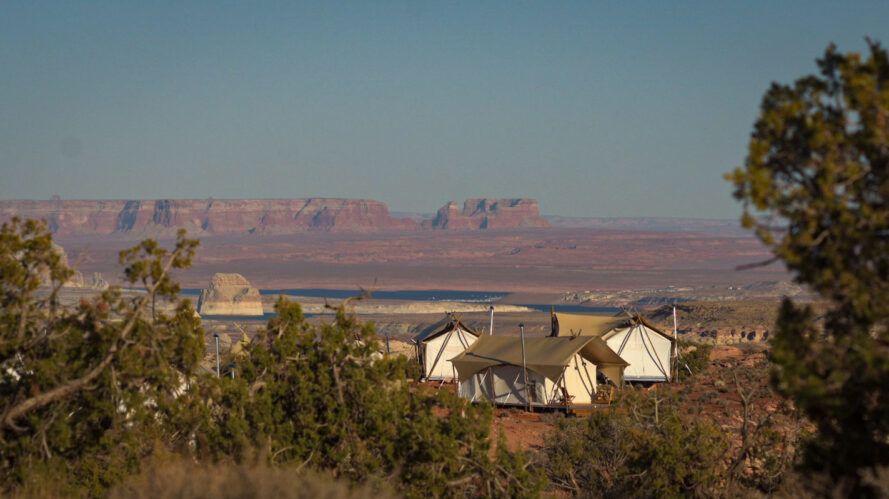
<point x="593" y="108"/>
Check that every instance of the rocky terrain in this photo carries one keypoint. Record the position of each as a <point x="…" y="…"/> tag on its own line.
<point x="209" y="217"/>
<point x="77" y="279"/>
<point x="722" y="322"/>
<point x="534" y="260"/>
<point x="230" y="294"/>
<point x="649" y="297"/>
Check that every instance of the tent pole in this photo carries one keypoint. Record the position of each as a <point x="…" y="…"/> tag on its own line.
<point x="525" y="368"/>
<point x="675" y="346"/>
<point x="440" y="351"/>
<point x="491" y="328"/>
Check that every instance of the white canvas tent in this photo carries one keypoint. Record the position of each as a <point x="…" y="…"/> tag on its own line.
<point x="648" y="350"/>
<point x="560" y="371"/>
<point x="438" y="344"/>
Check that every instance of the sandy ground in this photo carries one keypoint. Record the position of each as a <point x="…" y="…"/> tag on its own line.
<point x="534" y="261"/>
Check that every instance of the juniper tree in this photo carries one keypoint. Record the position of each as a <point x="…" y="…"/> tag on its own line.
<point x="815" y="189"/>
<point x="85" y="390"/>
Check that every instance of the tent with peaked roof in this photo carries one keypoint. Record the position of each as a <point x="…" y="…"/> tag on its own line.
<point x="438" y="344"/>
<point x="560" y="371"/>
<point x="647" y="349"/>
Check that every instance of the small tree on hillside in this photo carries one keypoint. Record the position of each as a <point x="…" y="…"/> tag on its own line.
<point x="322" y="396"/>
<point x="648" y="446"/>
<point x="815" y="188"/>
<point x="85" y="391"/>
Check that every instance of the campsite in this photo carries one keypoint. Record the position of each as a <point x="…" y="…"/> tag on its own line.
<point x="576" y="366"/>
<point x="444" y="250"/>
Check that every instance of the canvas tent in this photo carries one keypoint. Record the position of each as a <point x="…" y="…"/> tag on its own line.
<point x="438" y="344"/>
<point x="560" y="371"/>
<point x="648" y="350"/>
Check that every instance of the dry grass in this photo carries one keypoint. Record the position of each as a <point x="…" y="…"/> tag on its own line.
<point x="189" y="481"/>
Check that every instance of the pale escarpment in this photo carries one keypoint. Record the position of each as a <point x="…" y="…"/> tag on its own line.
<point x="207" y="217"/>
<point x="480" y="214"/>
<point x="230" y="294"/>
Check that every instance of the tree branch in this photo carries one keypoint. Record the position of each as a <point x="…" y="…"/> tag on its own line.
<point x="75" y="385"/>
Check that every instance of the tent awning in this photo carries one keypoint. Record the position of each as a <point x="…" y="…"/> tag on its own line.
<point x="586" y="324"/>
<point x="547" y="356"/>
<point x="599" y="325"/>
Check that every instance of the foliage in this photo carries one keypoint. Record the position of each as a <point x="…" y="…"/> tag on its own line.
<point x="84" y="390"/>
<point x="323" y="396"/>
<point x="647" y="446"/>
<point x="815" y="189"/>
<point x="695" y="359"/>
<point x="768" y="429"/>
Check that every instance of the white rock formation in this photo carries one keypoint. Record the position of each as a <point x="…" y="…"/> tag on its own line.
<point x="230" y="294"/>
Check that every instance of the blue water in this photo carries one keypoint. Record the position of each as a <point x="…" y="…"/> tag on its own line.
<point x="428" y="295"/>
<point x="571" y="309"/>
<point x="239" y="318"/>
<point x="341" y="294"/>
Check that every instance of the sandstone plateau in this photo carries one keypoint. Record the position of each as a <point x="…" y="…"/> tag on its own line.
<point x="261" y="216"/>
<point x="488" y="214"/>
<point x="230" y="294"/>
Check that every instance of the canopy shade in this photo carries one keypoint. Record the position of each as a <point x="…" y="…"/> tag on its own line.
<point x="547" y="356"/>
<point x="597" y="325"/>
<point x="585" y="324"/>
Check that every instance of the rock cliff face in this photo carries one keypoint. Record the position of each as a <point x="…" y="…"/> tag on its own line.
<point x="77" y="279"/>
<point x="488" y="214"/>
<point x="206" y="217"/>
<point x="260" y="216"/>
<point x="230" y="294"/>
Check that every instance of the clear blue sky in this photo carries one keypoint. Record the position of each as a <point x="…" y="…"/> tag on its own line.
<point x="593" y="108"/>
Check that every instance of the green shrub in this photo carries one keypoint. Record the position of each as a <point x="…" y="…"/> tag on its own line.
<point x="323" y="396"/>
<point x="695" y="359"/>
<point x="645" y="447"/>
<point x="86" y="391"/>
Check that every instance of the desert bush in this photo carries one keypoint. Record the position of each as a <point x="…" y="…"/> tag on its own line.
<point x="323" y="396"/>
<point x="646" y="446"/>
<point x="85" y="392"/>
<point x="695" y="358"/>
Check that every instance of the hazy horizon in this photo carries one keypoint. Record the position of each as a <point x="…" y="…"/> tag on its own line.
<point x="614" y="110"/>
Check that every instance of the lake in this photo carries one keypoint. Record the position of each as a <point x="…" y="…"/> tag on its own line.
<point x="411" y="295"/>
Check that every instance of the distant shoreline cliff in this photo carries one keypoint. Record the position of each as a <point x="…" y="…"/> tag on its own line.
<point x="262" y="216"/>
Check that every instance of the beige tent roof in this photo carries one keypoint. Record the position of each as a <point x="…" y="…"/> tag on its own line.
<point x="547" y="356"/>
<point x="441" y="327"/>
<point x="598" y="325"/>
<point x="587" y="324"/>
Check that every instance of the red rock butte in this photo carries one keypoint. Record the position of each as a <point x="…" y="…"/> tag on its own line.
<point x="488" y="214"/>
<point x="262" y="216"/>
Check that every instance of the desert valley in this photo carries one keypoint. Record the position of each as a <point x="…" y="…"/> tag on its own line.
<point x="444" y="250"/>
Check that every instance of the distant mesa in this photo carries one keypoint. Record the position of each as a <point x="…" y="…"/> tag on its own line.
<point x="481" y="214"/>
<point x="230" y="294"/>
<point x="207" y="217"/>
